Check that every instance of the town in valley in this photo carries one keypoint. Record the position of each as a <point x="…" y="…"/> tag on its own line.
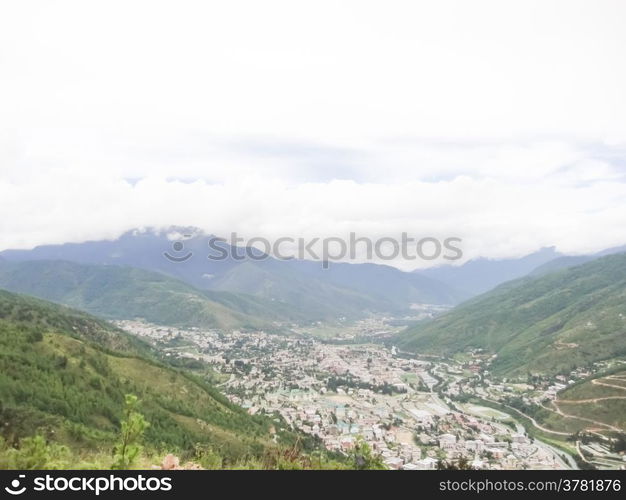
<point x="343" y="384"/>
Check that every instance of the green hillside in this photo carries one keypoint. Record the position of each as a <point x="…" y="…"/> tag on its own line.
<point x="116" y="292"/>
<point x="549" y="324"/>
<point x="65" y="374"/>
<point x="313" y="298"/>
<point x="119" y="292"/>
<point x="560" y="263"/>
<point x="597" y="404"/>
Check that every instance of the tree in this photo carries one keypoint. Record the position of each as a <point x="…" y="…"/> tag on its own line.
<point x="33" y="453"/>
<point x="462" y="464"/>
<point x="363" y="458"/>
<point x="132" y="429"/>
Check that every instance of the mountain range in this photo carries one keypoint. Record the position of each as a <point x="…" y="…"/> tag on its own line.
<point x="480" y="275"/>
<point x="134" y="276"/>
<point x="304" y="286"/>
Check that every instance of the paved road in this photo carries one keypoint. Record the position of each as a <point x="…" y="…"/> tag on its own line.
<point x="568" y="463"/>
<point x="534" y="422"/>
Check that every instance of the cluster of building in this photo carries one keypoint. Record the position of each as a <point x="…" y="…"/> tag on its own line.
<point x="344" y="394"/>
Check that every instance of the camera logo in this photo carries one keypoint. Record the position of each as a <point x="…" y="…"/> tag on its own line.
<point x="15" y="489"/>
<point x="177" y="248"/>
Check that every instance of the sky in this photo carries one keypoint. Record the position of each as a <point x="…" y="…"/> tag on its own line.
<point x="499" y="122"/>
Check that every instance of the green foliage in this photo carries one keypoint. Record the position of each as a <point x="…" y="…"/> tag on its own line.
<point x="33" y="453"/>
<point x="363" y="458"/>
<point x="208" y="458"/>
<point x="132" y="429"/>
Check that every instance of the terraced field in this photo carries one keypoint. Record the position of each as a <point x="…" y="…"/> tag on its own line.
<point x="598" y="405"/>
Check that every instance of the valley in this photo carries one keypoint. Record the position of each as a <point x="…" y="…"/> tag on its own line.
<point x="284" y="365"/>
<point x="313" y="236"/>
<point x="416" y="412"/>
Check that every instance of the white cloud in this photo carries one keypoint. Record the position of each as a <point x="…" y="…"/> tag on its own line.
<point x="502" y="122"/>
<point x="495" y="217"/>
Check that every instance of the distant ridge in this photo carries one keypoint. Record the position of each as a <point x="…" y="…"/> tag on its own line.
<point x="119" y="292"/>
<point x="342" y="290"/>
<point x="481" y="275"/>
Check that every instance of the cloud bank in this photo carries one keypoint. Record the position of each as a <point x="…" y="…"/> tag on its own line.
<point x="503" y="124"/>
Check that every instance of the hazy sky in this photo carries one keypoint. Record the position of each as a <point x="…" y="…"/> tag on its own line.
<point x="502" y="122"/>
